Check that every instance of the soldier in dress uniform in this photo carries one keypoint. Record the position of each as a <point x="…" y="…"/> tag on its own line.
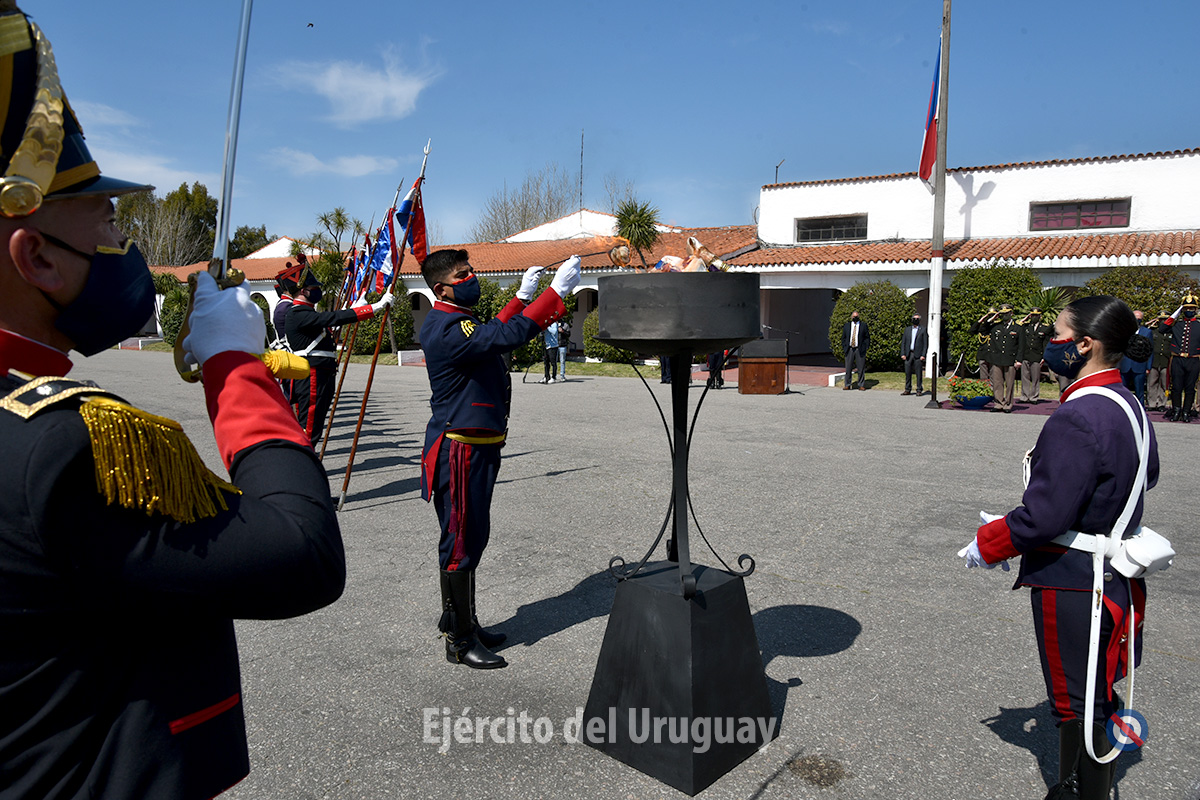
<point x="1030" y="344"/>
<point x="1158" y="376"/>
<point x="1081" y="475"/>
<point x="309" y="335"/>
<point x="471" y="397"/>
<point x="1185" y="358"/>
<point x="123" y="559"/>
<point x="1003" y="339"/>
<point x="286" y="287"/>
<point x="983" y="342"/>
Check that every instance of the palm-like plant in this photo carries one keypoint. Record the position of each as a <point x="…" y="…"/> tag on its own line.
<point x="1050" y="300"/>
<point x="638" y="224"/>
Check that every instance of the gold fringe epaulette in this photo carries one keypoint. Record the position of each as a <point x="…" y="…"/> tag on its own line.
<point x="146" y="462"/>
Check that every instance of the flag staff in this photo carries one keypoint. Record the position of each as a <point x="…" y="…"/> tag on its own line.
<point x="362" y="411"/>
<point x="347" y="348"/>
<point x="939" y="202"/>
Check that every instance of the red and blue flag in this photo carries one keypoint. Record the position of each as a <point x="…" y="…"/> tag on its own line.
<point x="929" y="147"/>
<point x="411" y="216"/>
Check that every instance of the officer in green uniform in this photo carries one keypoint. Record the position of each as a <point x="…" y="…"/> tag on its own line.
<point x="1030" y="346"/>
<point x="1160" y="364"/>
<point x="983" y="350"/>
<point x="1003" y="334"/>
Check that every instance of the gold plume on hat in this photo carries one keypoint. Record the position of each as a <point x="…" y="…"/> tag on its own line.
<point x="1190" y="299"/>
<point x="33" y="166"/>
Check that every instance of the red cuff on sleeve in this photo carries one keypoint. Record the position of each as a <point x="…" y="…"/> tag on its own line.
<point x="546" y="309"/>
<point x="995" y="541"/>
<point x="514" y="307"/>
<point x="363" y="312"/>
<point x="245" y="404"/>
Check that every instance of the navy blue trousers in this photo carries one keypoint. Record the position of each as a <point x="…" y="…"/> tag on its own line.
<point x="466" y="476"/>
<point x="1062" y="622"/>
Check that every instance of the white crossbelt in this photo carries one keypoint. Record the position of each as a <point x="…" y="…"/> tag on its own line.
<point x="1112" y="547"/>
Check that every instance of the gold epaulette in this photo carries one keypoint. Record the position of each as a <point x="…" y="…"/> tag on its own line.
<point x="146" y="462"/>
<point x="143" y="461"/>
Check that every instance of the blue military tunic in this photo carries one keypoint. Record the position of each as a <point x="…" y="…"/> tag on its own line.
<point x="471" y="396"/>
<point x="1082" y="472"/>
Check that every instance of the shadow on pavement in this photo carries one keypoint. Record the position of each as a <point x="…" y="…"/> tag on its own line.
<point x="801" y="632"/>
<point x="590" y="598"/>
<point x="1041" y="739"/>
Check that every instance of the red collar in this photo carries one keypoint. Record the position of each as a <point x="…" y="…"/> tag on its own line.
<point x="1104" y="377"/>
<point x="25" y="355"/>
<point x="300" y="301"/>
<point x="442" y="305"/>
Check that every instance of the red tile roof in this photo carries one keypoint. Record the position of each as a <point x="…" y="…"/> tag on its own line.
<point x="501" y="257"/>
<point x="1015" y="248"/>
<point x="256" y="269"/>
<point x="1015" y="165"/>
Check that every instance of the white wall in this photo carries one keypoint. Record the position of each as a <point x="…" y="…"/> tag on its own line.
<point x="983" y="203"/>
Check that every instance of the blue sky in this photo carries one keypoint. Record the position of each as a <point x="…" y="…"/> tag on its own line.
<point x="695" y="103"/>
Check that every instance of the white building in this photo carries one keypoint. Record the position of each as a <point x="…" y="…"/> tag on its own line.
<point x="1069" y="220"/>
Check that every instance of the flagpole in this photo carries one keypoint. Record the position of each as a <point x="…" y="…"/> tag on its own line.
<point x="362" y="411"/>
<point x="347" y="351"/>
<point x="343" y="364"/>
<point x="939" y="203"/>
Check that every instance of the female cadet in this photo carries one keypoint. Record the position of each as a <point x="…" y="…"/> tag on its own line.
<point x="1081" y="476"/>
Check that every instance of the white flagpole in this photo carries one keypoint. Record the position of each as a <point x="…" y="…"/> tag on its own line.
<point x="939" y="198"/>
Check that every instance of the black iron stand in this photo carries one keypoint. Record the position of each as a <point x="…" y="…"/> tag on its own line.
<point x="679" y="691"/>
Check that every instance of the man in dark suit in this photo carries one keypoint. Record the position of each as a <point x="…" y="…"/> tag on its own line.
<point x="856" y="338"/>
<point x="913" y="344"/>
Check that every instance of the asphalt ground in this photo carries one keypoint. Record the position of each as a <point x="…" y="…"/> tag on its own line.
<point x="897" y="672"/>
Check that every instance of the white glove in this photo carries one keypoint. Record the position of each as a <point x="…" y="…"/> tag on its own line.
<point x="360" y="302"/>
<point x="222" y="321"/>
<point x="985" y="517"/>
<point x="1178" y="311"/>
<point x="529" y="282"/>
<point x="566" y="278"/>
<point x="975" y="559"/>
<point x="383" y="302"/>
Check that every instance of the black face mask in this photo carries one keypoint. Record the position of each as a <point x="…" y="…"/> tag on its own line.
<point x="916" y="321"/>
<point x="116" y="301"/>
<point x="1189" y="313"/>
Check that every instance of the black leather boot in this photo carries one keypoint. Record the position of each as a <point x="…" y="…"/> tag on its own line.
<point x="462" y="645"/>
<point x="1070" y="750"/>
<point x="488" y="638"/>
<point x="1095" y="780"/>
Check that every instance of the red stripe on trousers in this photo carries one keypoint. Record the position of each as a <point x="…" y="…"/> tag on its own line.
<point x="312" y="402"/>
<point x="1058" y="677"/>
<point x="1114" y="651"/>
<point x="205" y="714"/>
<point x="460" y="471"/>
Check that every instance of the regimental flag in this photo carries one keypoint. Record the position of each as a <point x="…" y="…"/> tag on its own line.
<point x="411" y="216"/>
<point x="929" y="147"/>
<point x="362" y="265"/>
<point x="381" y="258"/>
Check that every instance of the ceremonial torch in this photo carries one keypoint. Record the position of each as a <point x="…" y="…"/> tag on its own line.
<point x="281" y="363"/>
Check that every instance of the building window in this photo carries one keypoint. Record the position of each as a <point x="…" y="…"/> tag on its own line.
<point x="1076" y="216"/>
<point x="825" y="229"/>
<point x="414" y="301"/>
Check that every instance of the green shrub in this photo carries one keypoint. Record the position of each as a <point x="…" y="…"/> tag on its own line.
<point x="402" y="324"/>
<point x="886" y="309"/>
<point x="975" y="289"/>
<point x="595" y="348"/>
<point x="1148" y="289"/>
<point x="174" y="309"/>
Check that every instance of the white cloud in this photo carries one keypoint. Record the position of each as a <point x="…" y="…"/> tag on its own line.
<point x="143" y="167"/>
<point x="301" y="163"/>
<point x="357" y="92"/>
<point x="98" y="115"/>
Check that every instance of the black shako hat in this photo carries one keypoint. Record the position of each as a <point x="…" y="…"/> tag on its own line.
<point x="42" y="151"/>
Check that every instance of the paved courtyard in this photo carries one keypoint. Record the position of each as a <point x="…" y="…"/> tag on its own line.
<point x="896" y="672"/>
